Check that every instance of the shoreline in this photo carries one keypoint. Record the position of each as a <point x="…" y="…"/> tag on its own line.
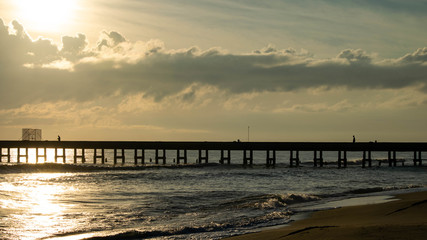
<point x="404" y="218"/>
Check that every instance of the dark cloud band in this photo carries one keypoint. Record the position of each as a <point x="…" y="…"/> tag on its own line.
<point x="116" y="65"/>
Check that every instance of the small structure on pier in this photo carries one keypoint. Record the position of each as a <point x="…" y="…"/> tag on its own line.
<point x="31" y="134"/>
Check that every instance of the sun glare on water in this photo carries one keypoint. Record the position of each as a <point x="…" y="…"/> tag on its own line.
<point x="45" y="15"/>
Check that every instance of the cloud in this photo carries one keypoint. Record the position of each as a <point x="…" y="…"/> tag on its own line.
<point x="419" y="56"/>
<point x="355" y="56"/>
<point x="74" y="44"/>
<point x="18" y="48"/>
<point x="118" y="68"/>
<point x="111" y="39"/>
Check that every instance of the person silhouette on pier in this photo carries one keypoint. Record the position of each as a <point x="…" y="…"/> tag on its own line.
<point x="59" y="138"/>
<point x="354" y="139"/>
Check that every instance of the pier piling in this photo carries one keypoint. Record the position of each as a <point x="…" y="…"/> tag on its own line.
<point x="82" y="156"/>
<point x="121" y="156"/>
<point x="417" y="158"/>
<point x="163" y="157"/>
<point x="271" y="159"/>
<point x="20" y="155"/>
<point x="7" y="155"/>
<point x="180" y="157"/>
<point x="366" y="159"/>
<point x="225" y="157"/>
<point x="22" y="151"/>
<point x="44" y="155"/>
<point x="248" y="158"/>
<point x="96" y="156"/>
<point x="392" y="158"/>
<point x="204" y="157"/>
<point x="318" y="159"/>
<point x="293" y="159"/>
<point x="139" y="157"/>
<point x="342" y="160"/>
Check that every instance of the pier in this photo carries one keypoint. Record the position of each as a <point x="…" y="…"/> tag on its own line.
<point x="160" y="148"/>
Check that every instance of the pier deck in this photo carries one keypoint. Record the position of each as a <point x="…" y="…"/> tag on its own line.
<point x="181" y="148"/>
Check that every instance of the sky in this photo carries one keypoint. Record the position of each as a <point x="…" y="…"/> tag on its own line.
<point x="214" y="70"/>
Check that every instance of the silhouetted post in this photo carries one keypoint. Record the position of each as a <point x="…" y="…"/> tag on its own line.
<point x="18" y="160"/>
<point x="179" y="157"/>
<point x="142" y="157"/>
<point x="115" y="157"/>
<point x="369" y="159"/>
<point x="26" y="155"/>
<point x="64" y="156"/>
<point x="58" y="156"/>
<point x="417" y="158"/>
<point x="95" y="156"/>
<point x="201" y="157"/>
<point x="7" y="155"/>
<point x="157" y="156"/>
<point x="161" y="157"/>
<point x="247" y="158"/>
<point x="44" y="156"/>
<point x="320" y="158"/>
<point x="392" y="159"/>
<point x="103" y="156"/>
<point x="75" y="155"/>
<point x="223" y="157"/>
<point x="271" y="160"/>
<point x="342" y="159"/>
<point x="292" y="158"/>
<point x="22" y="155"/>
<point x="122" y="156"/>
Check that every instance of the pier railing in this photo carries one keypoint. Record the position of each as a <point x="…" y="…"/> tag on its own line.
<point x="139" y="147"/>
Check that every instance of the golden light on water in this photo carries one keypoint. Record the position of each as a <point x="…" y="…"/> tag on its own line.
<point x="45" y="15"/>
<point x="37" y="204"/>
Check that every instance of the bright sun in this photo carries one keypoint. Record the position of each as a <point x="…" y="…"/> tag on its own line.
<point x="46" y="15"/>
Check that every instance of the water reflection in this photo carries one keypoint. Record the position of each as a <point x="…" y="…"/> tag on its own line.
<point x="32" y="203"/>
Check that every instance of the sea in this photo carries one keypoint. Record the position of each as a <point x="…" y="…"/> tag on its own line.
<point x="194" y="201"/>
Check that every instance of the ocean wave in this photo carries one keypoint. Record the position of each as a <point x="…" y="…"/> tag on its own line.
<point x="212" y="227"/>
<point x="271" y="201"/>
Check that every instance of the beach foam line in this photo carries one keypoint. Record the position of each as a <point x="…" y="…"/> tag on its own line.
<point x="404" y="218"/>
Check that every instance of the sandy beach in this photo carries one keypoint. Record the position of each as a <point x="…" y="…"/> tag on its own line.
<point x="405" y="218"/>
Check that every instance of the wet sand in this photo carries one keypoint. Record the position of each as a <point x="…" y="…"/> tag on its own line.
<point x="405" y="218"/>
